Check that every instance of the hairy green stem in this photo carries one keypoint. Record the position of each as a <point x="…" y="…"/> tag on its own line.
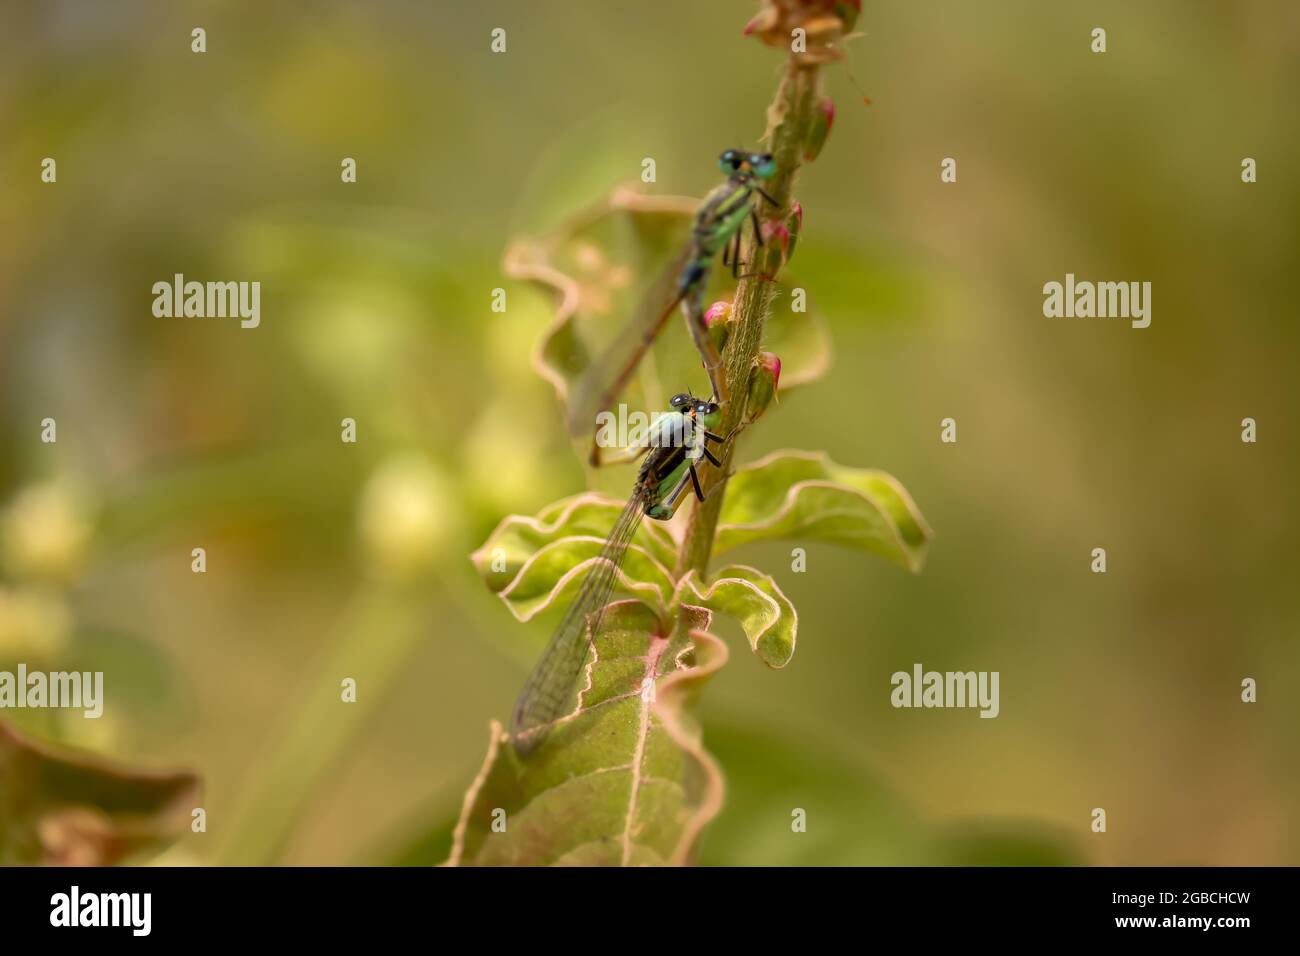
<point x="789" y="120"/>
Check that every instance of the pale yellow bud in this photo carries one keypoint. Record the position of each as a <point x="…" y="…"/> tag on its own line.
<point x="406" y="515"/>
<point x="46" y="532"/>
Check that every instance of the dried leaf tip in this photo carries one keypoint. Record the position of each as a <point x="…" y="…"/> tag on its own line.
<point x="821" y="24"/>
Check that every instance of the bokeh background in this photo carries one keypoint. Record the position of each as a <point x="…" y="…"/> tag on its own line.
<point x="1118" y="691"/>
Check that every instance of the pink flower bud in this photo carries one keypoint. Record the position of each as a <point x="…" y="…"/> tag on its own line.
<point x="780" y="232"/>
<point x="763" y="385"/>
<point x="771" y="362"/>
<point x="718" y="321"/>
<point x="718" y="312"/>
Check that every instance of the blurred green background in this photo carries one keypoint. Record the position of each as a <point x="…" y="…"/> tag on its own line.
<point x="326" y="560"/>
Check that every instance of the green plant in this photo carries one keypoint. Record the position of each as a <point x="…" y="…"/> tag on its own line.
<point x="626" y="779"/>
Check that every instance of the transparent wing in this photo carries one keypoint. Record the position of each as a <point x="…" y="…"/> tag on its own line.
<point x="551" y="682"/>
<point x="602" y="382"/>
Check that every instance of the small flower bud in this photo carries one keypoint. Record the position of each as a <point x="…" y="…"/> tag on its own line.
<point x="794" y="226"/>
<point x="823" y="120"/>
<point x="46" y="532"/>
<point x="763" y="385"/>
<point x="779" y="232"/>
<point x="404" y="516"/>
<point x="718" y="321"/>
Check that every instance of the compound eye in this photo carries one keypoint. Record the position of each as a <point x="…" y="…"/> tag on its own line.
<point x="706" y="408"/>
<point x="730" y="161"/>
<point x="763" y="164"/>
<point x="680" y="399"/>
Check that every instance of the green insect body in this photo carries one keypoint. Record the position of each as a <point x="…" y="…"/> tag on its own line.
<point x="671" y="465"/>
<point x="718" y="223"/>
<point x="724" y="211"/>
<point x="718" y="228"/>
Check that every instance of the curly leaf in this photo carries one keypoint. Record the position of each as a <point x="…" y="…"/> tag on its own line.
<point x="804" y="495"/>
<point x="621" y="779"/>
<point x="518" y="538"/>
<point x="63" y="808"/>
<point x="751" y="597"/>
<point x="613" y="270"/>
<point x="554" y="574"/>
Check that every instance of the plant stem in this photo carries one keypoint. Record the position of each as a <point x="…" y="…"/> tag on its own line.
<point x="789" y="120"/>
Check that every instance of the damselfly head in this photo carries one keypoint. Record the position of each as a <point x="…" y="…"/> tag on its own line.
<point x="738" y="163"/>
<point x="704" y="412"/>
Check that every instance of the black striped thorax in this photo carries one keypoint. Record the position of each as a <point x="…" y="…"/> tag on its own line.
<point x="723" y="212"/>
<point x="659" y="465"/>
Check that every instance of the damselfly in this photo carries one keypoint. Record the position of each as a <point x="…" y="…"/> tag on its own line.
<point x="674" y="445"/>
<point x="718" y="228"/>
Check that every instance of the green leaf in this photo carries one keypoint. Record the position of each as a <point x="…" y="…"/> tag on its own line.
<point x="751" y="597"/>
<point x="534" y="563"/>
<point x="555" y="572"/>
<point x="65" y="808"/>
<point x="805" y="496"/>
<point x="622" y="779"/>
<point x="854" y="817"/>
<point x="518" y="538"/>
